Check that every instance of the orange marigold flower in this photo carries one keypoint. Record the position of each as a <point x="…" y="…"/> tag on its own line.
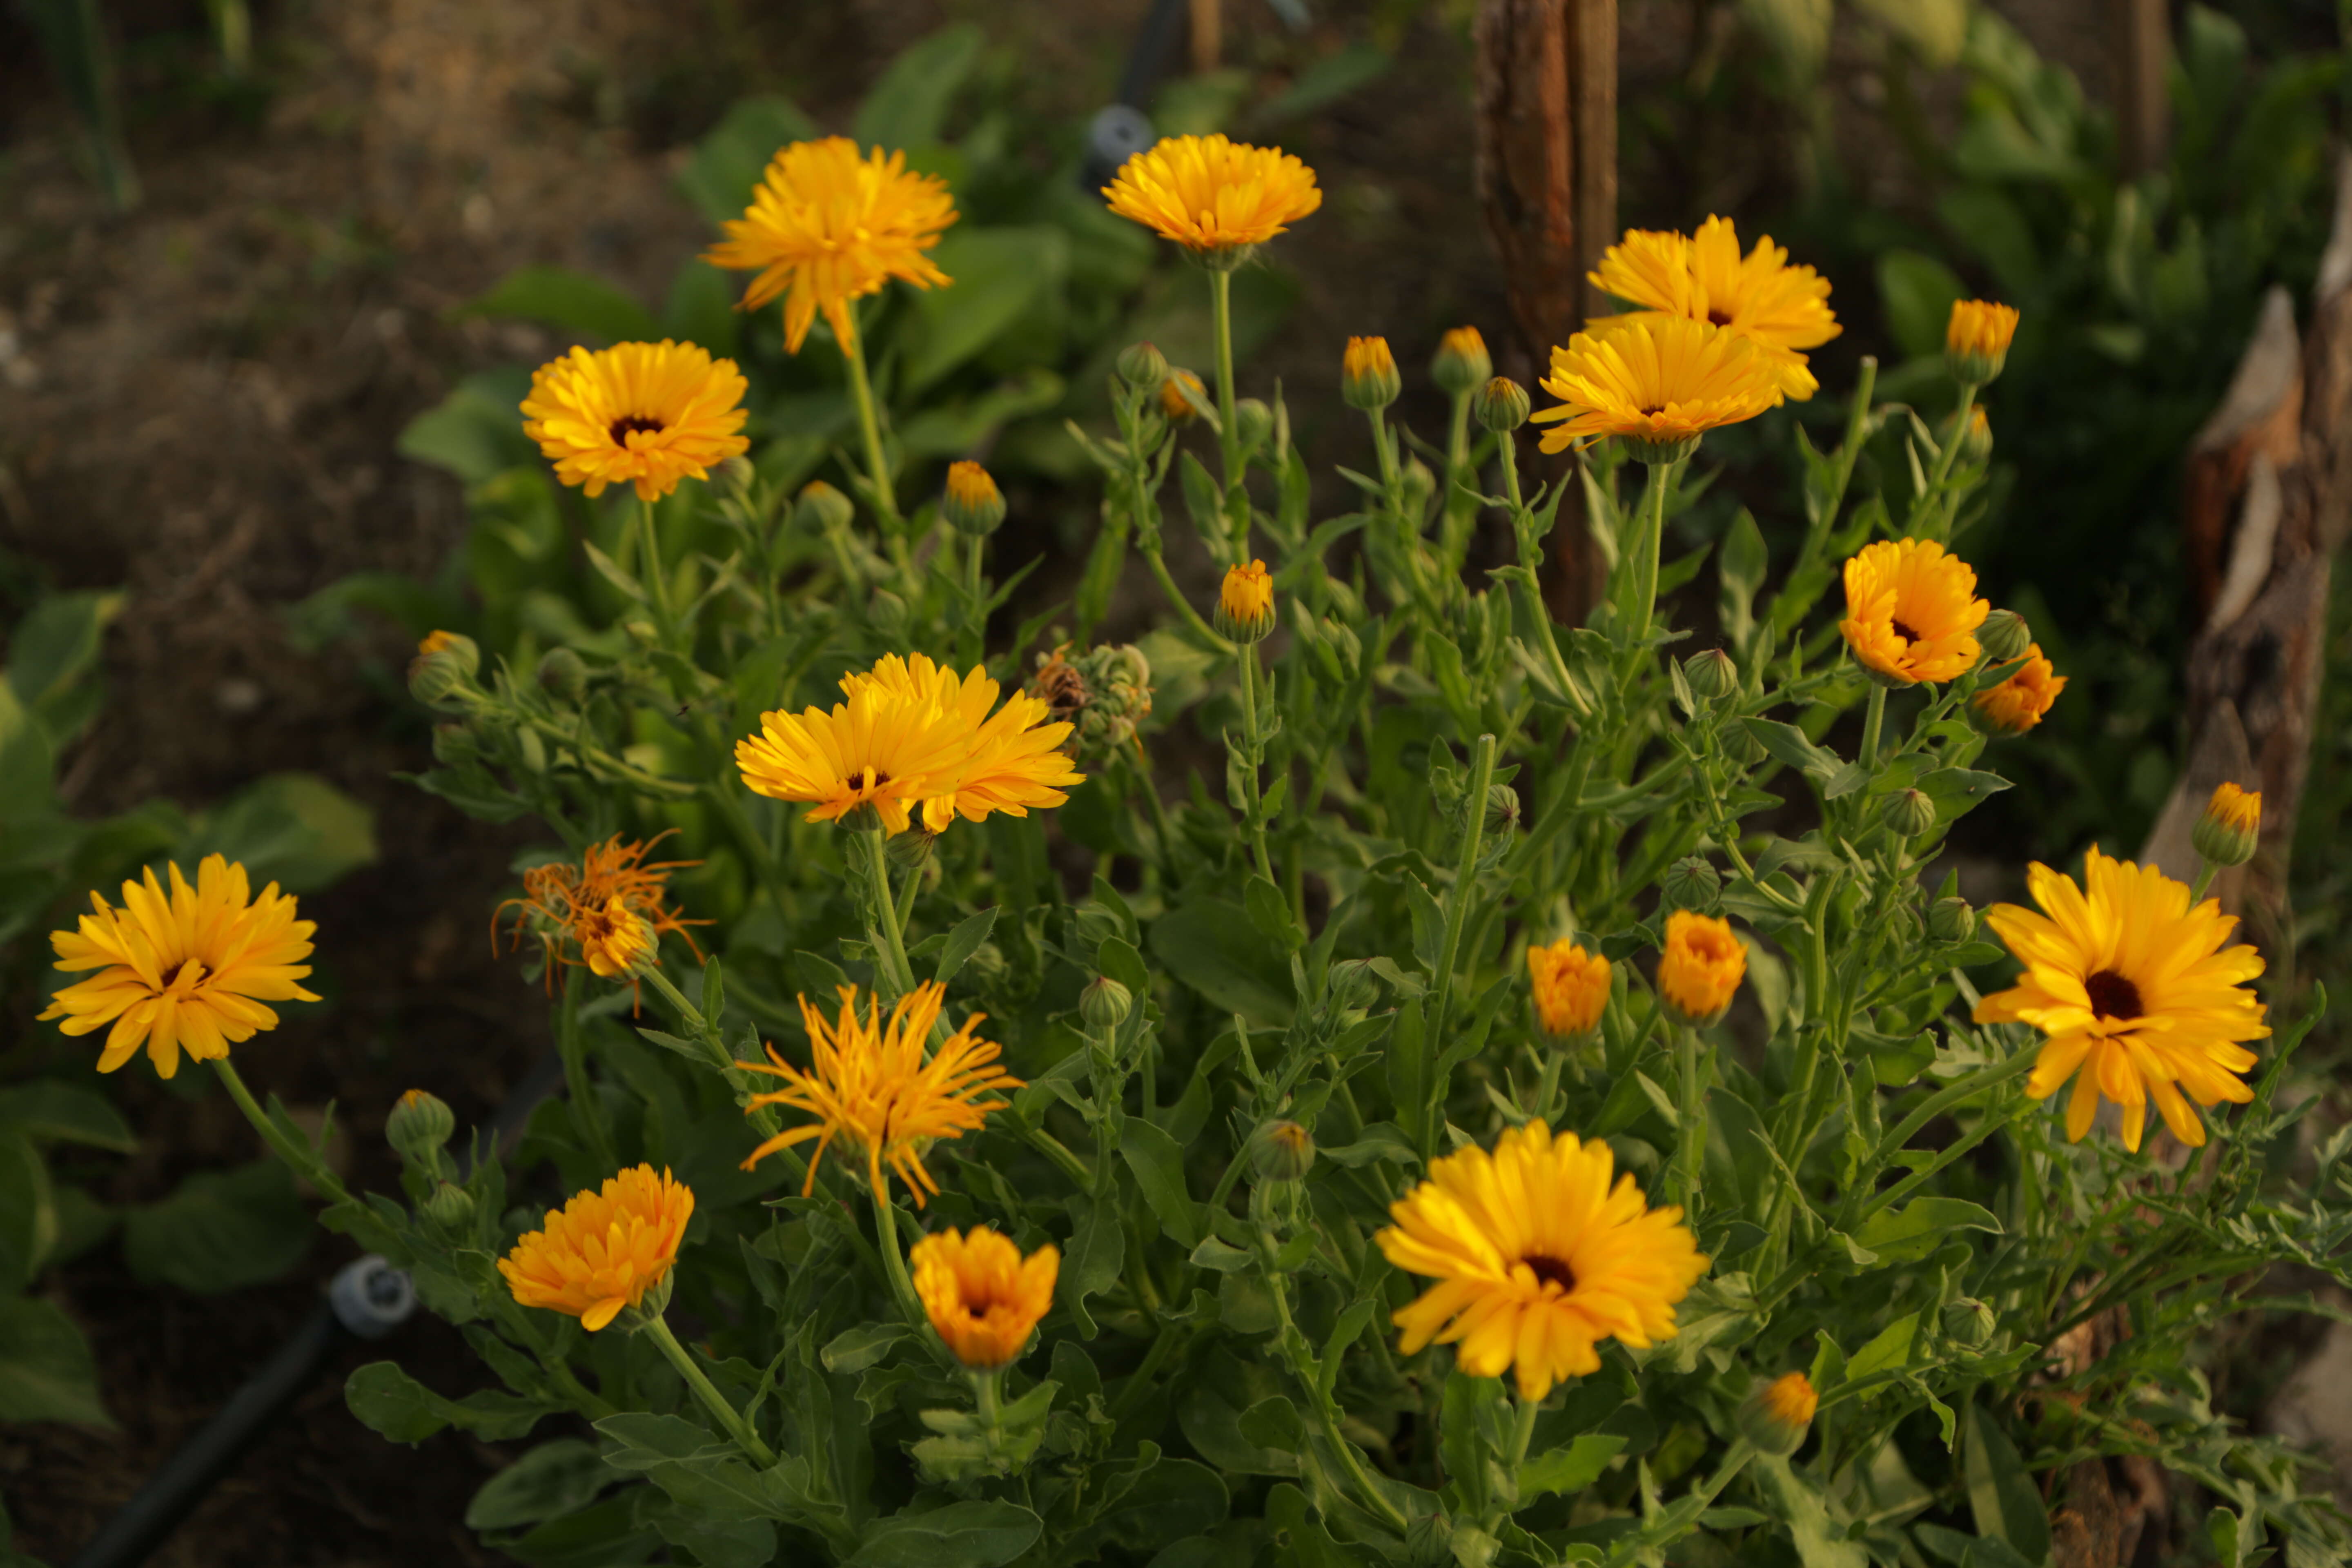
<point x="1912" y="611"/>
<point x="1977" y="337"/>
<point x="1246" y="603"/>
<point x="604" y="1250"/>
<point x="1213" y="196"/>
<point x="982" y="1297"/>
<point x="1701" y="968"/>
<point x="1783" y="309"/>
<point x="643" y="414"/>
<point x="2230" y="829"/>
<point x="2017" y="704"/>
<point x="1659" y="382"/>
<point x="1571" y="988"/>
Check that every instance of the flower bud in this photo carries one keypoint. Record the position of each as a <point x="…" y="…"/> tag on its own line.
<point x="419" y="1124"/>
<point x="435" y="679"/>
<point x="454" y="745"/>
<point x="1462" y="361"/>
<point x="971" y="504"/>
<point x="1354" y="983"/>
<point x="642" y="632"/>
<point x="1969" y="1322"/>
<point x="1776" y="1417"/>
<point x="736" y="476"/>
<point x="1502" y="810"/>
<point x="887" y="611"/>
<point x="1692" y="883"/>
<point x="1911" y="814"/>
<point x="2230" y="826"/>
<point x="1976" y="339"/>
<point x="908" y="850"/>
<point x="1179" y="408"/>
<point x="1501" y="406"/>
<point x="1711" y="674"/>
<point x="986" y="967"/>
<point x="1976" y="441"/>
<point x="2004" y="637"/>
<point x="469" y="656"/>
<point x="1420" y="484"/>
<point x="1142" y="367"/>
<point x="1951" y="920"/>
<point x="563" y="673"/>
<point x="822" y="509"/>
<point x="1246" y="604"/>
<point x="1282" y="1152"/>
<point x="1105" y="1004"/>
<point x="1368" y="374"/>
<point x="450" y="1206"/>
<point x="1252" y="423"/>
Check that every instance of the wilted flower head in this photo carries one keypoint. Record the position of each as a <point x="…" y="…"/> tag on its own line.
<point x="607" y="912"/>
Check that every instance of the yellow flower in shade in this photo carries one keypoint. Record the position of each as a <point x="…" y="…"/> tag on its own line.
<point x="875" y="749"/>
<point x="643" y="414"/>
<point x="604" y="913"/>
<point x="1976" y="338"/>
<point x="2139" y="997"/>
<point x="827" y="227"/>
<point x="1537" y="1259"/>
<point x="1661" y="382"/>
<point x="1246" y="603"/>
<point x="872" y="1085"/>
<point x="1174" y="404"/>
<point x="2017" y="704"/>
<point x="1912" y="611"/>
<point x="1011" y="759"/>
<point x="1701" y="967"/>
<point x="981" y="1295"/>
<point x="2230" y="829"/>
<point x="1571" y="988"/>
<point x="187" y="969"/>
<point x="1209" y="194"/>
<point x="1368" y="374"/>
<point x="604" y="1249"/>
<point x="1783" y="309"/>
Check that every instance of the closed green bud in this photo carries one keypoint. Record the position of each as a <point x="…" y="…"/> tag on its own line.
<point x="1501" y="406"/>
<point x="1692" y="883"/>
<point x="986" y="967"/>
<point x="419" y="1124"/>
<point x="1712" y="675"/>
<point x="1502" y="809"/>
<point x="912" y="849"/>
<point x="1354" y="983"/>
<point x="435" y="679"/>
<point x="1142" y="367"/>
<point x="971" y="504"/>
<point x="1282" y="1152"/>
<point x="1105" y="1004"/>
<point x="1368" y="374"/>
<point x="563" y="673"/>
<point x="2004" y="637"/>
<point x="736" y="476"/>
<point x="1951" y="920"/>
<point x="1969" y="1322"/>
<point x="1420" y="484"/>
<point x="450" y="1206"/>
<point x="454" y="745"/>
<point x="1911" y="814"/>
<point x="887" y="611"/>
<point x="2230" y="829"/>
<point x="1462" y="361"/>
<point x="1253" y="422"/>
<point x="822" y="509"/>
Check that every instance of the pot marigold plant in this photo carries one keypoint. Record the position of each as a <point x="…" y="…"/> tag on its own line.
<point x="1529" y="1102"/>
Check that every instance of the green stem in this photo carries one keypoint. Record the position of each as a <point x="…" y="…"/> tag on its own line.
<point x="894" y="1264"/>
<point x="1248" y="661"/>
<point x="717" y="1403"/>
<point x="893" y="945"/>
<point x="976" y="590"/>
<point x="1456" y="511"/>
<point x="1645" y="602"/>
<point x="1969" y="1088"/>
<point x="2205" y="869"/>
<point x="1952" y="445"/>
<point x="1874" y="719"/>
<point x="1549" y="1084"/>
<point x="586" y="1108"/>
<point x="869" y="429"/>
<point x="656" y="577"/>
<point x="1522" y="1434"/>
<point x="1465" y="882"/>
<point x="1184" y="606"/>
<point x="1229" y="436"/>
<point x="299" y="1155"/>
<point x="1690" y="1137"/>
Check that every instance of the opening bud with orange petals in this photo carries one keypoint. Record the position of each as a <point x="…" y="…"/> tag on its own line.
<point x="1976" y="339"/>
<point x="1701" y="968"/>
<point x="1572" y="989"/>
<point x="1368" y="374"/>
<point x="982" y="1296"/>
<point x="1776" y="1417"/>
<point x="971" y="504"/>
<point x="2230" y="826"/>
<point x="1246" y="604"/>
<point x="1462" y="361"/>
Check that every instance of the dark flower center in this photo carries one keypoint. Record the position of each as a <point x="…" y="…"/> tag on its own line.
<point x="2112" y="996"/>
<point x="875" y="778"/>
<point x="1906" y="633"/>
<point x="1652" y="409"/>
<point x="1720" y="318"/>
<point x="629" y="422"/>
<point x="1551" y="1270"/>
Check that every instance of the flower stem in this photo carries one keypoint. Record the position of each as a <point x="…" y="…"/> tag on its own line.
<point x="1645" y="553"/>
<point x="1522" y="1434"/>
<point x="893" y="946"/>
<point x="1951" y="450"/>
<point x="869" y="428"/>
<point x="656" y="579"/>
<point x="1690" y="1136"/>
<point x="300" y="1156"/>
<point x="728" y="1416"/>
<point x="1874" y="720"/>
<point x="586" y="1109"/>
<point x="1183" y="607"/>
<point x="1229" y="436"/>
<point x="894" y="1263"/>
<point x="2205" y="869"/>
<point x="1248" y="661"/>
<point x="1457" y="910"/>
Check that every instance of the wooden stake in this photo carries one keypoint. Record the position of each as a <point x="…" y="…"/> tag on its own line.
<point x="1209" y="35"/>
<point x="2143" y="107"/>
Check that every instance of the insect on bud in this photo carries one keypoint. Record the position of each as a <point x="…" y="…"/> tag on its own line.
<point x="419" y="1124"/>
<point x="1282" y="1152"/>
<point x="1911" y="814"/>
<point x="1501" y="406"/>
<point x="1712" y="675"/>
<point x="1105" y="1004"/>
<point x="1462" y="361"/>
<point x="1951" y="920"/>
<point x="2004" y="637"/>
<point x="1142" y="367"/>
<point x="1692" y="883"/>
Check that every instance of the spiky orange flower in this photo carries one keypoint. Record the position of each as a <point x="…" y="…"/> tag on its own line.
<point x="1783" y="309"/>
<point x="871" y="1084"/>
<point x="1911" y="611"/>
<point x="604" y="1249"/>
<point x="189" y="969"/>
<point x="2017" y="703"/>
<point x="1211" y="194"/>
<point x="2139" y="995"/>
<point x="1537" y="1259"/>
<point x="643" y="414"/>
<point x="982" y="1297"/>
<point x="601" y="912"/>
<point x="827" y="227"/>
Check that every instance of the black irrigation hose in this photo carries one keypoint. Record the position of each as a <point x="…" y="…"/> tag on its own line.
<point x="366" y="1301"/>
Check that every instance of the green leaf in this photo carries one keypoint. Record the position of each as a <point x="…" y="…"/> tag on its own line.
<point x="1097" y="1247"/>
<point x="961" y="1535"/>
<point x="1271" y="915"/>
<point x="909" y="104"/>
<point x="1918" y="293"/>
<point x="223" y="1230"/>
<point x="559" y="297"/>
<point x="728" y="163"/>
<point x="1570" y="1469"/>
<point x="1159" y="1167"/>
<point x="1788" y="744"/>
<point x="57" y="643"/>
<point x="1211" y="946"/>
<point x="853" y="1350"/>
<point x="999" y="274"/>
<point x="962" y="942"/>
<point x="476" y="432"/>
<point x="552" y="1480"/>
<point x="1920" y="1226"/>
<point x="1345" y="70"/>
<point x="1957" y="791"/>
<point x="2002" y="1498"/>
<point x="50" y="1112"/>
<point x="395" y="1405"/>
<point x="1890" y="1350"/>
<point x="1380" y="1140"/>
<point x="294" y="829"/>
<point x="28" y="1212"/>
<point x="46" y="1373"/>
<point x="1821" y="1541"/>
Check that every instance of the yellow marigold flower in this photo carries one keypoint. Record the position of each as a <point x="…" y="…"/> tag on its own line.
<point x="1009" y="761"/>
<point x="1912" y="611"/>
<point x="603" y="912"/>
<point x="1659" y="383"/>
<point x="827" y="227"/>
<point x="1976" y="338"/>
<point x="1702" y="966"/>
<point x="1780" y="308"/>
<point x="643" y="414"/>
<point x="876" y="750"/>
<point x="1537" y="1257"/>
<point x="604" y="1249"/>
<point x="2017" y="704"/>
<point x="982" y="1297"/>
<point x="189" y="969"/>
<point x="1246" y="603"/>
<point x="2231" y="826"/>
<point x="2137" y="995"/>
<point x="871" y="1084"/>
<point x="1174" y="404"/>
<point x="1213" y="195"/>
<point x="1368" y="374"/>
<point x="1571" y="987"/>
